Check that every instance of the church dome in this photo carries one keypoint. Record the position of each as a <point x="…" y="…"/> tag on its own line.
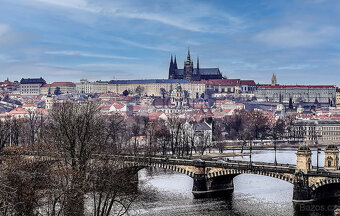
<point x="280" y="107"/>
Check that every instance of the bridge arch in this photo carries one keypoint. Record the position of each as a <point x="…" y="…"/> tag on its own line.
<point x="186" y="170"/>
<point x="329" y="189"/>
<point x="324" y="182"/>
<point x="284" y="177"/>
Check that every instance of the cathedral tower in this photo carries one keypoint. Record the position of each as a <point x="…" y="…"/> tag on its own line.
<point x="171" y="69"/>
<point x="188" y="68"/>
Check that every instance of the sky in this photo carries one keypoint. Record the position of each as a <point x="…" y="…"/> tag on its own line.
<point x="66" y="40"/>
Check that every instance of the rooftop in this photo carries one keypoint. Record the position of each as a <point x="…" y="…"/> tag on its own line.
<point x="147" y="81"/>
<point x="33" y="81"/>
<point x="296" y="86"/>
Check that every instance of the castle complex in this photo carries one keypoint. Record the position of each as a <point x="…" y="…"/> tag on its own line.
<point x="190" y="73"/>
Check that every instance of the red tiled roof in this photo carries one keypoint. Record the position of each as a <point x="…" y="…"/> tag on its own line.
<point x="209" y="112"/>
<point x="118" y="106"/>
<point x="18" y="110"/>
<point x="297" y="86"/>
<point x="248" y="82"/>
<point x="29" y="105"/>
<point x="201" y="112"/>
<point x="227" y="82"/>
<point x="105" y="107"/>
<point x="62" y="83"/>
<point x="226" y="101"/>
<point x="218" y="115"/>
<point x="42" y="111"/>
<point x="134" y="107"/>
<point x="155" y="115"/>
<point x="7" y="82"/>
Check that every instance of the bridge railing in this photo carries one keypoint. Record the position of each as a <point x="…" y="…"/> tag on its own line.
<point x="240" y="165"/>
<point x="324" y="174"/>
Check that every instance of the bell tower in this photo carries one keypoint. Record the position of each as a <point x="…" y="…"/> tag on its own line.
<point x="304" y="159"/>
<point x="274" y="80"/>
<point x="49" y="100"/>
<point x="331" y="157"/>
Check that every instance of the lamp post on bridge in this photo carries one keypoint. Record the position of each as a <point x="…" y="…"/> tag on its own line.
<point x="250" y="150"/>
<point x="317" y="158"/>
<point x="275" y="161"/>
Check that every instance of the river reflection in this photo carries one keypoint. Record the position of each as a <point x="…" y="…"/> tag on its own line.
<point x="253" y="194"/>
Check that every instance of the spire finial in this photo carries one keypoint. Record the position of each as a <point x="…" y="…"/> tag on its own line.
<point x="49" y="92"/>
<point x="175" y="62"/>
<point x="188" y="57"/>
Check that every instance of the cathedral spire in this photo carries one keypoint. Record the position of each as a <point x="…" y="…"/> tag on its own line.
<point x="171" y="68"/>
<point x="198" y="63"/>
<point x="49" y="92"/>
<point x="188" y="57"/>
<point x="175" y="63"/>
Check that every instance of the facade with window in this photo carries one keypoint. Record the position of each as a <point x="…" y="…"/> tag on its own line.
<point x="298" y="93"/>
<point x="316" y="131"/>
<point x="31" y="87"/>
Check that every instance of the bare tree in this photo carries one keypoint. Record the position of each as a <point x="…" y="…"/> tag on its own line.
<point x="163" y="92"/>
<point x="139" y="90"/>
<point x="32" y="125"/>
<point x="175" y="126"/>
<point x="203" y="142"/>
<point x="112" y="190"/>
<point x="115" y="133"/>
<point x="5" y="132"/>
<point x="163" y="137"/>
<point x="76" y="131"/>
<point x="22" y="183"/>
<point x="150" y="132"/>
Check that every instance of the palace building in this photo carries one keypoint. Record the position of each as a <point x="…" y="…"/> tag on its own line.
<point x="190" y="73"/>
<point x="277" y="93"/>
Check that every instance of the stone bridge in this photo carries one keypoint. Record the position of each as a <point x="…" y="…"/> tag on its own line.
<point x="216" y="177"/>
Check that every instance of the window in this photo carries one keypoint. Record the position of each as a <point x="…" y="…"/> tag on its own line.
<point x="329" y="162"/>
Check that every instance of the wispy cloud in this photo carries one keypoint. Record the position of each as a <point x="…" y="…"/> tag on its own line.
<point x="165" y="48"/>
<point x="296" y="36"/>
<point x="73" y="4"/>
<point x="4" y="29"/>
<point x="8" y="36"/>
<point x="180" y="19"/>
<point x="7" y="59"/>
<point x="86" y="54"/>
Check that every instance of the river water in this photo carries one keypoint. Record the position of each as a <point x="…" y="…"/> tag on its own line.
<point x="253" y="194"/>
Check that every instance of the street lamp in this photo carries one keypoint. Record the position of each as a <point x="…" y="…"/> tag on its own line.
<point x="275" y="161"/>
<point x="317" y="158"/>
<point x="250" y="149"/>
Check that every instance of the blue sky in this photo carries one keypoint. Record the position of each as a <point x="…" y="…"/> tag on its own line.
<point x="65" y="40"/>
